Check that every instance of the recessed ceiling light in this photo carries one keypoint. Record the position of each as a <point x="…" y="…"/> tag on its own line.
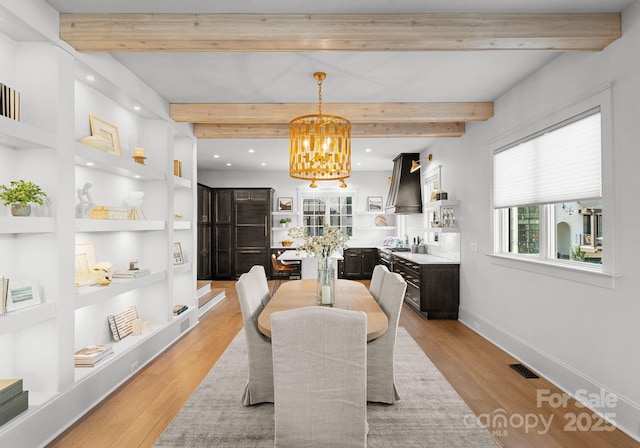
<point x="216" y="156"/>
<point x="251" y="150"/>
<point x="228" y="164"/>
<point x="367" y="150"/>
<point x="263" y="164"/>
<point x="90" y="78"/>
<point x="89" y="163"/>
<point x="137" y="108"/>
<point x="359" y="163"/>
<point x="137" y="176"/>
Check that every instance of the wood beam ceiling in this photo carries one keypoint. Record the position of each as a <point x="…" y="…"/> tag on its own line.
<point x="370" y="120"/>
<point x="338" y="32"/>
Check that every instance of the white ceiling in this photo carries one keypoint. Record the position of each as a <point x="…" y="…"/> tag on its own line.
<point x="247" y="77"/>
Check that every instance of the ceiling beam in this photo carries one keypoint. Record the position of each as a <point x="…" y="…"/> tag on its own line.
<point x="358" y="130"/>
<point x="338" y="32"/>
<point x="265" y="113"/>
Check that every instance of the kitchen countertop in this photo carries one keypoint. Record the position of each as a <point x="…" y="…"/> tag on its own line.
<point x="422" y="258"/>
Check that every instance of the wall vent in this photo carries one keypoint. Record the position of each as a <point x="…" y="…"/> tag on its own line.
<point x="523" y="370"/>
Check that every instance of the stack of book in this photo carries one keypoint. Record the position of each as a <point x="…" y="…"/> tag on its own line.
<point x="13" y="400"/>
<point x="91" y="355"/>
<point x="179" y="309"/>
<point x="131" y="273"/>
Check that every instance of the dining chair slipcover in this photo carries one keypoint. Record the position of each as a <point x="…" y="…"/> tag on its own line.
<point x="263" y="285"/>
<point x="259" y="387"/>
<point x="377" y="278"/>
<point x="320" y="372"/>
<point x="381" y="385"/>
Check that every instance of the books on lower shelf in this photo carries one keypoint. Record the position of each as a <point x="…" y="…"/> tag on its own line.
<point x="131" y="273"/>
<point x="91" y="355"/>
<point x="179" y="309"/>
<point x="13" y="400"/>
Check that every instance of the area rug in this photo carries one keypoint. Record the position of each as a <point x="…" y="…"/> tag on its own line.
<point x="429" y="414"/>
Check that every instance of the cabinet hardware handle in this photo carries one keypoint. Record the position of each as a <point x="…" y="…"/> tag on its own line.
<point x="249" y="251"/>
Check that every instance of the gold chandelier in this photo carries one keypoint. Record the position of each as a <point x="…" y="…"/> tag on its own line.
<point x="320" y="145"/>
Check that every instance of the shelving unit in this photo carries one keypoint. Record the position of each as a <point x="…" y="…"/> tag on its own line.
<point x="366" y="221"/>
<point x="436" y="207"/>
<point x="279" y="232"/>
<point x="39" y="341"/>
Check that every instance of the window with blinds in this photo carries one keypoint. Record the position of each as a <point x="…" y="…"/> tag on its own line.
<point x="547" y="192"/>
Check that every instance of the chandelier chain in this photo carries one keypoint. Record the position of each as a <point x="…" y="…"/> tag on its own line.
<point x="320" y="96"/>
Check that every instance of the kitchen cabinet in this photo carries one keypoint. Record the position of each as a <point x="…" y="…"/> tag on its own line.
<point x="358" y="263"/>
<point x="433" y="289"/>
<point x="241" y="232"/>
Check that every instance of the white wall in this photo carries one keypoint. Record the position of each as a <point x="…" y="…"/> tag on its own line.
<point x="363" y="184"/>
<point x="579" y="336"/>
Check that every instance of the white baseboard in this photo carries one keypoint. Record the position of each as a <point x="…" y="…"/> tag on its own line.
<point x="567" y="379"/>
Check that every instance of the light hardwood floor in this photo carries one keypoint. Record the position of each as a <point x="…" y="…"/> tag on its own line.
<point x="138" y="412"/>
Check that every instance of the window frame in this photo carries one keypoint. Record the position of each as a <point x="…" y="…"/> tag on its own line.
<point x="327" y="194"/>
<point x="598" y="275"/>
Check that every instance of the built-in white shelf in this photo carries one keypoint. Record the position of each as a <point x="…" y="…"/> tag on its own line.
<point x="20" y="135"/>
<point x="181" y="182"/>
<point x="89" y="295"/>
<point x="184" y="267"/>
<point x="376" y="227"/>
<point x="117" y="225"/>
<point x="445" y="203"/>
<point x="443" y="229"/>
<point x="27" y="224"/>
<point x="119" y="349"/>
<point x="182" y="225"/>
<point x="289" y="213"/>
<point x="122" y="166"/>
<point x="26" y="317"/>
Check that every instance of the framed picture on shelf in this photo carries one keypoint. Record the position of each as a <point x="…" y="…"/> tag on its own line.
<point x="106" y="131"/>
<point x="178" y="257"/>
<point x="285" y="204"/>
<point x="374" y="203"/>
<point x="85" y="259"/>
<point x="22" y="295"/>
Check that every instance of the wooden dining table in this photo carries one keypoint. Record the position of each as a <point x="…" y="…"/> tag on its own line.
<point x="350" y="295"/>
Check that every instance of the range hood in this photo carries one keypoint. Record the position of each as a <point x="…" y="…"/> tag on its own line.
<point x="405" y="195"/>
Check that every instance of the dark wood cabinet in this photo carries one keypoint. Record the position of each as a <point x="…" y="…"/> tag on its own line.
<point x="240" y="231"/>
<point x="358" y="263"/>
<point x="205" y="271"/>
<point x="222" y="259"/>
<point x="432" y="289"/>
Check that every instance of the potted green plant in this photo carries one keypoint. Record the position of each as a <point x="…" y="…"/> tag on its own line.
<point x="20" y="195"/>
<point x="284" y="221"/>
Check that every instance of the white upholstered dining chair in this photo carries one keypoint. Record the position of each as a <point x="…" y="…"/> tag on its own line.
<point x="259" y="387"/>
<point x="377" y="279"/>
<point x="381" y="385"/>
<point x="263" y="285"/>
<point x="319" y="370"/>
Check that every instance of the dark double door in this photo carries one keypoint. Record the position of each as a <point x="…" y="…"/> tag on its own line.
<point x="240" y="232"/>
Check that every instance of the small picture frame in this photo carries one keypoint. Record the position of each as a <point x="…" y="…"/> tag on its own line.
<point x="106" y="131"/>
<point x="23" y="295"/>
<point x="178" y="257"/>
<point x="285" y="204"/>
<point x="85" y="259"/>
<point x="374" y="203"/>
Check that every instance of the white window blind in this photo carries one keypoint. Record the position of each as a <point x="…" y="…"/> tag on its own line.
<point x="560" y="165"/>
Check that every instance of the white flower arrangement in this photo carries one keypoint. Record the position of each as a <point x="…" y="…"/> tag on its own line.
<point x="322" y="246"/>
